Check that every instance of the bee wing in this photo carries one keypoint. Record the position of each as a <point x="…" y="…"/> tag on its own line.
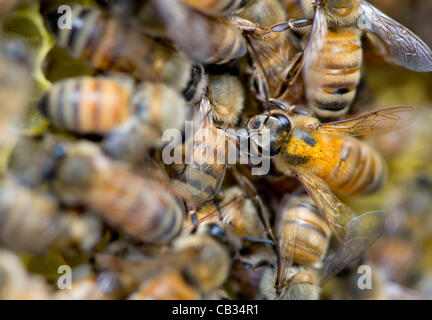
<point x="338" y="215"/>
<point x="375" y="122"/>
<point x="315" y="46"/>
<point x="406" y="49"/>
<point x="360" y="233"/>
<point x="205" y="152"/>
<point x="286" y="259"/>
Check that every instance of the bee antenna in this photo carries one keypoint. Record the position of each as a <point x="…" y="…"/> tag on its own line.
<point x="265" y="81"/>
<point x="267" y="100"/>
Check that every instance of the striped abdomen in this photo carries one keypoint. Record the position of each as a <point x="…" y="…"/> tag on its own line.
<point x="204" y="39"/>
<point x="331" y="82"/>
<point x="360" y="169"/>
<point x="142" y="208"/>
<point x="86" y="105"/>
<point x="155" y="108"/>
<point x="107" y="43"/>
<point x="216" y="7"/>
<point x="302" y="226"/>
<point x="201" y="178"/>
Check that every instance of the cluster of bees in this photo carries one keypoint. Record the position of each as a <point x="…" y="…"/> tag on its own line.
<point x="94" y="184"/>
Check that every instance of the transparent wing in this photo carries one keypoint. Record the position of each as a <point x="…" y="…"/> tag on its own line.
<point x="406" y="49"/>
<point x="337" y="214"/>
<point x="375" y="122"/>
<point x="206" y="155"/>
<point x="315" y="47"/>
<point x="360" y="233"/>
<point x="286" y="245"/>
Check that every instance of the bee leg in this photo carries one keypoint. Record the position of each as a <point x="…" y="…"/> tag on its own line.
<point x="258" y="240"/>
<point x="194" y="218"/>
<point x="292" y="24"/>
<point x="249" y="26"/>
<point x="295" y="65"/>
<point x="218" y="208"/>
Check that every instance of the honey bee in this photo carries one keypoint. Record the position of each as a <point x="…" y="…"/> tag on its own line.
<point x="334" y="56"/>
<point x="30" y="222"/>
<point x="202" y="267"/>
<point x="206" y="158"/>
<point x="86" y="105"/>
<point x="277" y="55"/>
<point x="204" y="39"/>
<point x="17" y="283"/>
<point x="216" y="8"/>
<point x="298" y="145"/>
<point x="155" y="108"/>
<point x="141" y="207"/>
<point x="107" y="43"/>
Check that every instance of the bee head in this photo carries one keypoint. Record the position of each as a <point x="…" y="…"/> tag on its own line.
<point x="70" y="168"/>
<point x="268" y="131"/>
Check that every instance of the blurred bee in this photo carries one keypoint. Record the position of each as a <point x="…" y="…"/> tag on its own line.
<point x="87" y="105"/>
<point x="155" y="108"/>
<point x="276" y="55"/>
<point x="108" y="43"/>
<point x="141" y="207"/>
<point x="203" y="264"/>
<point x="144" y="15"/>
<point x="16" y="283"/>
<point x="333" y="54"/>
<point x="204" y="39"/>
<point x="226" y="95"/>
<point x="30" y="222"/>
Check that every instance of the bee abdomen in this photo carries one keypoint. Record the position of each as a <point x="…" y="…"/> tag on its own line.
<point x="103" y="41"/>
<point x="360" y="170"/>
<point x="140" y="208"/>
<point x="333" y="81"/>
<point x="86" y="105"/>
<point x="226" y="44"/>
<point x="303" y="230"/>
